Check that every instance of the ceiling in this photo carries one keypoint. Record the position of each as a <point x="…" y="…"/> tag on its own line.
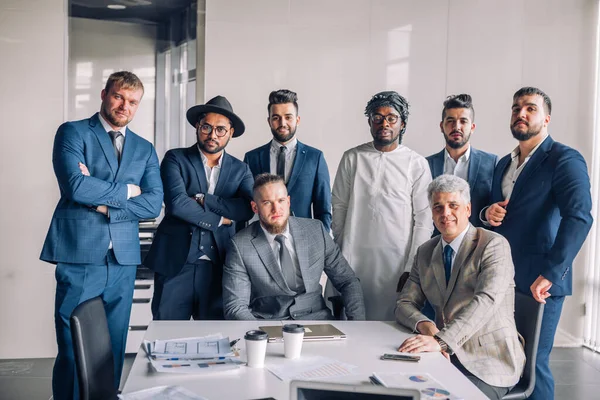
<point x="139" y="11"/>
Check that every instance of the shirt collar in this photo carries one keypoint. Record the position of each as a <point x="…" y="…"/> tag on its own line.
<point x="465" y="156"/>
<point x="271" y="236"/>
<point x="515" y="153"/>
<point x="109" y="128"/>
<point x="205" y="160"/>
<point x="455" y="244"/>
<point x="275" y="145"/>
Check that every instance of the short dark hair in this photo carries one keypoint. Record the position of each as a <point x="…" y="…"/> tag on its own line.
<point x="389" y="99"/>
<point x="282" y="96"/>
<point x="125" y="80"/>
<point x="462" y="100"/>
<point x="265" y="179"/>
<point x="529" y="91"/>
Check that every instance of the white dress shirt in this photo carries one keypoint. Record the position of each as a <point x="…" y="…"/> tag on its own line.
<point x="455" y="244"/>
<point x="290" y="156"/>
<point x="460" y="168"/>
<point x="290" y="245"/>
<point x="514" y="170"/>
<point x="212" y="174"/>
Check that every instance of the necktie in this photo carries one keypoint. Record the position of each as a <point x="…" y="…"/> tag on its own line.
<point x="448" y="262"/>
<point x="117" y="141"/>
<point x="287" y="266"/>
<point x="281" y="162"/>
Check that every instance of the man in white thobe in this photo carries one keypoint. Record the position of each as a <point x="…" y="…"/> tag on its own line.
<point x="380" y="210"/>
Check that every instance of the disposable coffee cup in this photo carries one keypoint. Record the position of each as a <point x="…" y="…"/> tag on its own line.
<point x="293" y="335"/>
<point x="256" y="348"/>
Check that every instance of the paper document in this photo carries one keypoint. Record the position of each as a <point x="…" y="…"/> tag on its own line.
<point x="425" y="383"/>
<point x="162" y="393"/>
<point x="314" y="367"/>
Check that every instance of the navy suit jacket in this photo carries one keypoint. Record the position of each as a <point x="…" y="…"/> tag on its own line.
<point x="80" y="235"/>
<point x="548" y="215"/>
<point x="308" y="184"/>
<point x="481" y="172"/>
<point x="185" y="220"/>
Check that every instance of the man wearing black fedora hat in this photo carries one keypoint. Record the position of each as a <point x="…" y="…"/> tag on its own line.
<point x="206" y="191"/>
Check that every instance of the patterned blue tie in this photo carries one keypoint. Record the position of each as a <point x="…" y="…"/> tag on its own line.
<point x="448" y="262"/>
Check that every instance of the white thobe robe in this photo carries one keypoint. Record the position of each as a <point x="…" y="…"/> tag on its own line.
<point x="381" y="215"/>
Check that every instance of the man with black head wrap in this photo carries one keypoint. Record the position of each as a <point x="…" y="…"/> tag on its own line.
<point x="380" y="210"/>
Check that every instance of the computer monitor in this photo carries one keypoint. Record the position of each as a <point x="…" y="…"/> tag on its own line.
<point x="311" y="390"/>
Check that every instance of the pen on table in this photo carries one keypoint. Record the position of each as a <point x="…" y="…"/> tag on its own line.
<point x="233" y="342"/>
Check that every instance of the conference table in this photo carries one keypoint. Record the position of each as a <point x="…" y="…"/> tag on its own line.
<point x="366" y="341"/>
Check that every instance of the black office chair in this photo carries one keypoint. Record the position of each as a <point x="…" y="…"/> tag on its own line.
<point x="528" y="317"/>
<point x="93" y="351"/>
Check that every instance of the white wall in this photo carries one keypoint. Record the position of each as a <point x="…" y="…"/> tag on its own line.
<point x="99" y="48"/>
<point x="336" y="54"/>
<point x="32" y="83"/>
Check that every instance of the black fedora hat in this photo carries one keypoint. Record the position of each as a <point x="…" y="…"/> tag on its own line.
<point x="217" y="105"/>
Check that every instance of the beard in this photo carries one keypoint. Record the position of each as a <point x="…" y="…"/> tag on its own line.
<point x="283" y="138"/>
<point x="111" y="117"/>
<point x="524" y="136"/>
<point x="274" y="228"/>
<point x="457" y="144"/>
<point x="202" y="145"/>
<point x="386" y="142"/>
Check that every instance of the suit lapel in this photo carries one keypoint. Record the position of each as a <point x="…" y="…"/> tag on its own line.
<point x="498" y="175"/>
<point x="105" y="143"/>
<point x="298" y="165"/>
<point x="194" y="157"/>
<point x="301" y="246"/>
<point x="473" y="173"/>
<point x="437" y="262"/>
<point x="224" y="173"/>
<point x="265" y="253"/>
<point x="265" y="159"/>
<point x="532" y="165"/>
<point x="466" y="248"/>
<point x="438" y="164"/>
<point x="129" y="146"/>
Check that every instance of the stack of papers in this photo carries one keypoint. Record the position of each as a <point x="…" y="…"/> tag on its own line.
<point x="430" y="388"/>
<point x="193" y="355"/>
<point x="312" y="367"/>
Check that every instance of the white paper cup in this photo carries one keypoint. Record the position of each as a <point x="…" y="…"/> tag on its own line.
<point x="293" y="335"/>
<point x="256" y="348"/>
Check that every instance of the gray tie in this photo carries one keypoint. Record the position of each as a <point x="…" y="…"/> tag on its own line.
<point x="117" y="141"/>
<point x="281" y="162"/>
<point x="287" y="265"/>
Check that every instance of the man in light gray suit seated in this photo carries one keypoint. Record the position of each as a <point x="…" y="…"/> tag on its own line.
<point x="467" y="275"/>
<point x="273" y="267"/>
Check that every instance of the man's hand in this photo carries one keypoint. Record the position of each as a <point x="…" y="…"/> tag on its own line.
<point x="540" y="289"/>
<point x="427" y="328"/>
<point x="420" y="344"/>
<point x="102" y="210"/>
<point x="84" y="169"/>
<point x="134" y="190"/>
<point x="496" y="212"/>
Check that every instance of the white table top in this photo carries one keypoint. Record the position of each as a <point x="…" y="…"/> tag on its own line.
<point x="366" y="342"/>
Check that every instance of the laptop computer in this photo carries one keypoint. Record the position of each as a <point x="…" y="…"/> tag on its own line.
<point x="311" y="332"/>
<point x="311" y="390"/>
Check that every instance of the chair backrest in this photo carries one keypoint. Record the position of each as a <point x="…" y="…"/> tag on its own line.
<point x="528" y="318"/>
<point x="93" y="351"/>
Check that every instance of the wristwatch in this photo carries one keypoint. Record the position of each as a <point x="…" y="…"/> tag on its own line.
<point x="443" y="345"/>
<point x="199" y="198"/>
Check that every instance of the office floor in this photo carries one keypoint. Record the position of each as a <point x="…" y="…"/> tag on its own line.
<point x="576" y="372"/>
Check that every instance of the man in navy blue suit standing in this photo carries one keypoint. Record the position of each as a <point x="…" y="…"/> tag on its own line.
<point x="459" y="158"/>
<point x="302" y="167"/>
<point x="206" y="191"/>
<point x="109" y="179"/>
<point x="541" y="204"/>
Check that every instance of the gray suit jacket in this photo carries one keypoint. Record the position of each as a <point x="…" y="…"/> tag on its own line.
<point x="254" y="286"/>
<point x="475" y="313"/>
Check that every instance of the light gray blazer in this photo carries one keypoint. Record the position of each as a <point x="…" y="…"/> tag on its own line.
<point x="254" y="286"/>
<point x="475" y="313"/>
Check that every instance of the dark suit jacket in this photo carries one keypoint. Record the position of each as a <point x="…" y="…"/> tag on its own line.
<point x="308" y="184"/>
<point x="548" y="215"/>
<point x="254" y="286"/>
<point x="80" y="235"/>
<point x="481" y="173"/>
<point x="185" y="220"/>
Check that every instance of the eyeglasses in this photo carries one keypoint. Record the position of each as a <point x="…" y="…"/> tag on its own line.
<point x="378" y="118"/>
<point x="207" y="129"/>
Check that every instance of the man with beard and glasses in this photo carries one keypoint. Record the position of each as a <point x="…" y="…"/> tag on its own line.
<point x="541" y="204"/>
<point x="459" y="158"/>
<point x="273" y="267"/>
<point x="380" y="210"/>
<point x="303" y="167"/>
<point x="206" y="191"/>
<point x="109" y="179"/>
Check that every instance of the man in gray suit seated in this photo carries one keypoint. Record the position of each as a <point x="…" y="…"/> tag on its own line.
<point x="273" y="267"/>
<point x="467" y="275"/>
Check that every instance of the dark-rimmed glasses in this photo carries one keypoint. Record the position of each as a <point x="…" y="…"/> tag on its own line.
<point x="378" y="118"/>
<point x="207" y="129"/>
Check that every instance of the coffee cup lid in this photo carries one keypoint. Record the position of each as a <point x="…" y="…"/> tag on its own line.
<point x="256" y="335"/>
<point x="293" y="328"/>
